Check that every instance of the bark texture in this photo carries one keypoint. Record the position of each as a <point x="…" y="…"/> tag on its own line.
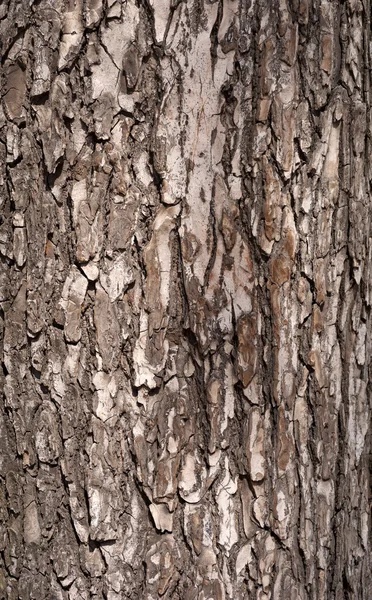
<point x="185" y="247"/>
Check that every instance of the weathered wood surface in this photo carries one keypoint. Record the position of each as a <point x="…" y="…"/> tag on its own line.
<point x="185" y="247"/>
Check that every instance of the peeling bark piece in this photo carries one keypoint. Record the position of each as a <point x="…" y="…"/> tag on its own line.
<point x="158" y="259"/>
<point x="286" y="444"/>
<point x="78" y="512"/>
<point x="119" y="275"/>
<point x="161" y="16"/>
<point x="123" y="218"/>
<point x="195" y="526"/>
<point x="281" y="514"/>
<point x="20" y="246"/>
<point x="107" y="328"/>
<point x="192" y="478"/>
<point x="35" y="312"/>
<point x="15" y="330"/>
<point x="243" y="558"/>
<point x="42" y="75"/>
<point x="316" y="363"/>
<point x="228" y="230"/>
<point x="78" y="196"/>
<point x="247" y="352"/>
<point x="72" y="34"/>
<point x="15" y="91"/>
<point x="163" y="519"/>
<point x="32" y="533"/>
<point x="162" y="561"/>
<point x="13" y="144"/>
<point x="228" y="535"/>
<point x="149" y="362"/>
<point x="247" y="498"/>
<point x="103" y="526"/>
<point x="104" y="400"/>
<point x="73" y="295"/>
<point x="47" y="439"/>
<point x="91" y="271"/>
<point x="151" y="350"/>
<point x="92" y="561"/>
<point x="255" y="447"/>
<point x="93" y="12"/>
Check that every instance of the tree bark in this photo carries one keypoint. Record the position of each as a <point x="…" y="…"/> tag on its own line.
<point x="185" y="247"/>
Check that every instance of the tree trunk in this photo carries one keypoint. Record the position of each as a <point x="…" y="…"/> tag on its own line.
<point x="185" y="244"/>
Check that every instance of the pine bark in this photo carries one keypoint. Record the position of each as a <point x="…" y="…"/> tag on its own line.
<point x="185" y="245"/>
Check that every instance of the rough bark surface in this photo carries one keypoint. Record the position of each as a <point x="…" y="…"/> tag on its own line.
<point x="185" y="247"/>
